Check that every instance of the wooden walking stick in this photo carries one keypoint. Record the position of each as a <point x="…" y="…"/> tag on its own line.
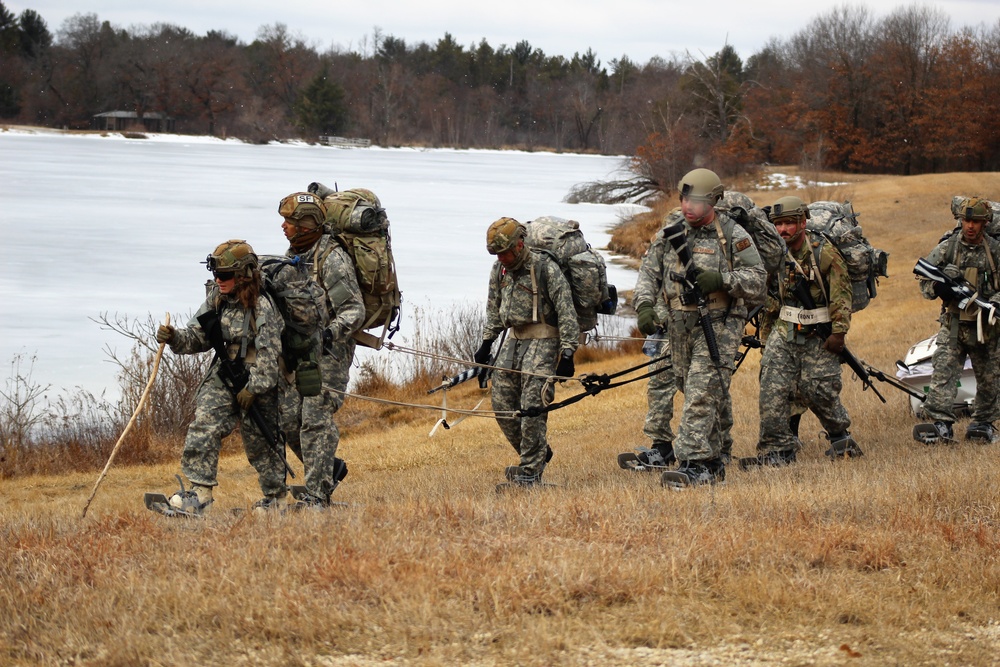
<point x="131" y="422"/>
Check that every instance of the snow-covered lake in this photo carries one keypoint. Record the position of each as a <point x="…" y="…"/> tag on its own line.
<point x="92" y="224"/>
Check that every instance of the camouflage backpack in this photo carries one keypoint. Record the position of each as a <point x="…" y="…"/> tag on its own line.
<point x="359" y="223"/>
<point x="583" y="266"/>
<point x="302" y="304"/>
<point x="838" y="223"/>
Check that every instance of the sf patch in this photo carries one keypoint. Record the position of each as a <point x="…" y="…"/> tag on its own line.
<point x="743" y="244"/>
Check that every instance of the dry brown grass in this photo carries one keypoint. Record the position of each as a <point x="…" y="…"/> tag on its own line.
<point x="889" y="559"/>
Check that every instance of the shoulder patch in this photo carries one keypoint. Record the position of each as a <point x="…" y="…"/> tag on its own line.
<point x="742" y="245"/>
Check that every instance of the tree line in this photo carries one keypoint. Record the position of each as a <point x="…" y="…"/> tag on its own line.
<point x="901" y="94"/>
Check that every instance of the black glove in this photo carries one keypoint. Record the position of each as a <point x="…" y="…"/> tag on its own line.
<point x="646" y="319"/>
<point x="565" y="368"/>
<point x="943" y="292"/>
<point x="482" y="355"/>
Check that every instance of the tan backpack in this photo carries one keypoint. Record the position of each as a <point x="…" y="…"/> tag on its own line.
<point x="359" y="223"/>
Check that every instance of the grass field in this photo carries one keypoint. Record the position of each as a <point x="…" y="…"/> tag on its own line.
<point x="890" y="559"/>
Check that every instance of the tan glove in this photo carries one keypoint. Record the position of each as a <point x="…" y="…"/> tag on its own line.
<point x="245" y="399"/>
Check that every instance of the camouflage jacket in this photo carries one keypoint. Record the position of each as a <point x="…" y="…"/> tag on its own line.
<point x="745" y="282"/>
<point x="263" y="337"/>
<point x="340" y="282"/>
<point x="971" y="260"/>
<point x="511" y="300"/>
<point x="836" y="292"/>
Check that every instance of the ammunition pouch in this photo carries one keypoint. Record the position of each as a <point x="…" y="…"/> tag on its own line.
<point x="233" y="351"/>
<point x="308" y="379"/>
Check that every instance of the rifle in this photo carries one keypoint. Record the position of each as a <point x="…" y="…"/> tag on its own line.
<point x="752" y="341"/>
<point x="449" y="382"/>
<point x="825" y="329"/>
<point x="963" y="292"/>
<point x="234" y="375"/>
<point x="482" y="372"/>
<point x="882" y="377"/>
<point x="692" y="295"/>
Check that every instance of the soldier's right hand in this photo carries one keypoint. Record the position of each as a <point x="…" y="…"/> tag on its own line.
<point x="646" y="319"/>
<point x="952" y="272"/>
<point x="943" y="292"/>
<point x="165" y="333"/>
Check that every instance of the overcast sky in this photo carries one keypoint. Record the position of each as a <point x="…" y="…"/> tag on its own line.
<point x="639" y="29"/>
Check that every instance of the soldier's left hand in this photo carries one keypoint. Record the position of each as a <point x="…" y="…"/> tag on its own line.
<point x="709" y="281"/>
<point x="834" y="343"/>
<point x="565" y="368"/>
<point x="245" y="398"/>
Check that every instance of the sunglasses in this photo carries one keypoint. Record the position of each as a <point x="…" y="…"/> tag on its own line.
<point x="223" y="275"/>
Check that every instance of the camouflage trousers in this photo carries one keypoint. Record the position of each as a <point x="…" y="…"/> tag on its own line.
<point x="514" y="391"/>
<point x="216" y="414"/>
<point x="660" y="400"/>
<point x="795" y="376"/>
<point x="307" y="421"/>
<point x="949" y="362"/>
<point x="706" y="419"/>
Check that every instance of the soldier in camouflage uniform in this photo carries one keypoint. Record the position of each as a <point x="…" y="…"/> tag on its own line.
<point x="798" y="363"/>
<point x="530" y="297"/>
<point x="968" y="255"/>
<point x="662" y="387"/>
<point x="307" y="415"/>
<point x="252" y="326"/>
<point x="729" y="274"/>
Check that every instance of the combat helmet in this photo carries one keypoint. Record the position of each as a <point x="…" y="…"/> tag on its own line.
<point x="236" y="256"/>
<point x="788" y="207"/>
<point x="304" y="209"/>
<point x="503" y="235"/>
<point x="701" y="184"/>
<point x="975" y="208"/>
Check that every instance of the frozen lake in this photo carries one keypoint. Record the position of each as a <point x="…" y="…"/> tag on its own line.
<point x="92" y="224"/>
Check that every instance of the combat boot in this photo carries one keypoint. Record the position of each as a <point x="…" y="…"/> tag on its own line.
<point x="270" y="505"/>
<point x="192" y="502"/>
<point x="774" y="459"/>
<point x="695" y="473"/>
<point x="842" y="445"/>
<point x="981" y="432"/>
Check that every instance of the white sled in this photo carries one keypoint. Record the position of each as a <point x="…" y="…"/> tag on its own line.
<point x="915" y="370"/>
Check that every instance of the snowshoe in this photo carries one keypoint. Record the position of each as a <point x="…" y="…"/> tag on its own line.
<point x="931" y="434"/>
<point x="646" y="458"/>
<point x="775" y="459"/>
<point x="306" y="500"/>
<point x="694" y="473"/>
<point x="184" y="503"/>
<point x="843" y="446"/>
<point x="518" y="478"/>
<point x="981" y="432"/>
